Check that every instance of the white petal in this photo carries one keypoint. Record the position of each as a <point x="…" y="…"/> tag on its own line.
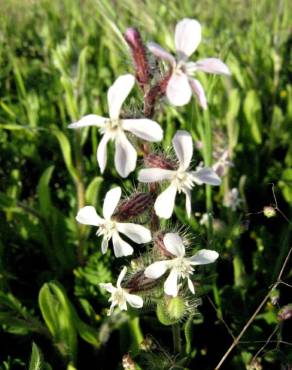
<point x="156" y="269"/>
<point x="118" y="93"/>
<point x="187" y="36"/>
<point x="144" y="128"/>
<point x="121" y="248"/>
<point x="188" y="202"/>
<point x="89" y="120"/>
<point x="125" y="156"/>
<point x="203" y="257"/>
<point x="170" y="285"/>
<point x="212" y="65"/>
<point x="104" y="245"/>
<point x="199" y="92"/>
<point x="111" y="309"/>
<point x="134" y="300"/>
<point x="159" y="52"/>
<point x="138" y="233"/>
<point x="102" y="152"/>
<point x="123" y="305"/>
<point x="121" y="276"/>
<point x="164" y="203"/>
<point x="183" y="146"/>
<point x="108" y="287"/>
<point x="88" y="216"/>
<point x="178" y="89"/>
<point x="174" y="244"/>
<point x="154" y="174"/>
<point x="206" y="175"/>
<point x="191" y="286"/>
<point x="110" y="202"/>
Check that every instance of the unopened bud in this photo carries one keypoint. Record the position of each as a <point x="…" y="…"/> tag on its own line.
<point x="128" y="362"/>
<point x="269" y="211"/>
<point x="285" y="313"/>
<point x="140" y="283"/>
<point x="135" y="206"/>
<point x="171" y="310"/>
<point x="159" y="161"/>
<point x="155" y="93"/>
<point x="142" y="68"/>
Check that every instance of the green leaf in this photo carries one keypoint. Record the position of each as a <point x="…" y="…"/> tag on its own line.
<point x="253" y="114"/>
<point x="92" y="191"/>
<point x="66" y="151"/>
<point x="44" y="192"/>
<point x="35" y="359"/>
<point x="58" y="317"/>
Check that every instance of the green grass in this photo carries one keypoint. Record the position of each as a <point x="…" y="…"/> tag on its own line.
<point x="57" y="60"/>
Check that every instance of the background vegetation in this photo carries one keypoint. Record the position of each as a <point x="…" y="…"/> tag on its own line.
<point x="57" y="60"/>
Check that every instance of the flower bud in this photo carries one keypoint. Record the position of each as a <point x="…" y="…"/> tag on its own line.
<point x="171" y="310"/>
<point x="142" y="68"/>
<point x="269" y="211"/>
<point x="128" y="362"/>
<point x="159" y="161"/>
<point x="285" y="313"/>
<point x="135" y="206"/>
<point x="140" y="283"/>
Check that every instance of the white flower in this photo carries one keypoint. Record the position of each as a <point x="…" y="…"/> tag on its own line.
<point x="181" y="180"/>
<point x="119" y="296"/>
<point x="179" y="266"/>
<point x="114" y="128"/>
<point x="110" y="229"/>
<point x="222" y="164"/>
<point x="181" y="84"/>
<point x="232" y="199"/>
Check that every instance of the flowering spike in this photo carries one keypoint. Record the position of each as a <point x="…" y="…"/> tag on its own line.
<point x="142" y="68"/>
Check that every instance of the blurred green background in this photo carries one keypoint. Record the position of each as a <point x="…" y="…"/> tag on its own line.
<point x="57" y="60"/>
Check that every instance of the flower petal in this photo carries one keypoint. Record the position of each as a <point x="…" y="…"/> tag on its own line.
<point x="191" y="286"/>
<point x="118" y="93"/>
<point x="212" y="65"/>
<point x="111" y="309"/>
<point x="154" y="174"/>
<point x="108" y="287"/>
<point x="89" y="120"/>
<point x="174" y="244"/>
<point x="121" y="248"/>
<point x="104" y="245"/>
<point x="138" y="233"/>
<point x="88" y="216"/>
<point x="203" y="257"/>
<point x="183" y="146"/>
<point x="159" y="52"/>
<point x="144" y="128"/>
<point x="102" y="152"/>
<point x="199" y="92"/>
<point x="178" y="89"/>
<point x="187" y="36"/>
<point x="188" y="202"/>
<point x="134" y="300"/>
<point x="206" y="175"/>
<point x="156" y="269"/>
<point x="164" y="203"/>
<point x="121" y="276"/>
<point x="125" y="155"/>
<point x="110" y="202"/>
<point x="170" y="285"/>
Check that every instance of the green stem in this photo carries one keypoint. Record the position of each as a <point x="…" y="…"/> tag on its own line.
<point x="176" y="338"/>
<point x="136" y="334"/>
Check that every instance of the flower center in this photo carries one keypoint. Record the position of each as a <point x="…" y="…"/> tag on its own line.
<point x="112" y="127"/>
<point x="119" y="296"/>
<point x="180" y="68"/>
<point x="107" y="229"/>
<point x="183" y="267"/>
<point x="183" y="180"/>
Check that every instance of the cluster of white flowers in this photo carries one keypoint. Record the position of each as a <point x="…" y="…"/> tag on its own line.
<point x="180" y="86"/>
